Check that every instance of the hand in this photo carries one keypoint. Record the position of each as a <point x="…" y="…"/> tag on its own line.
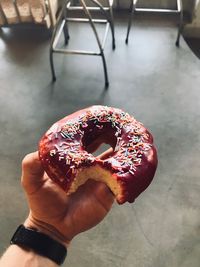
<point x="53" y="212"/>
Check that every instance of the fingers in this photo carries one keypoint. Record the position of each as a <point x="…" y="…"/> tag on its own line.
<point x="106" y="154"/>
<point x="32" y="172"/>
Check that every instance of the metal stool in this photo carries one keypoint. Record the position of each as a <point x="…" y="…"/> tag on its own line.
<point x="134" y="9"/>
<point x="61" y="25"/>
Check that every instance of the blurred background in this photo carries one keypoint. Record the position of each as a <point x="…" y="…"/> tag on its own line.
<point x="151" y="78"/>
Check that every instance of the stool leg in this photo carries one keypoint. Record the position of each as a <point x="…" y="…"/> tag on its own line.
<point x="109" y="18"/>
<point x="180" y="29"/>
<point x="105" y="71"/>
<point x="112" y="24"/>
<point x="52" y="66"/>
<point x="98" y="41"/>
<point x="132" y="11"/>
<point x="66" y="33"/>
<point x="65" y="28"/>
<point x="51" y="50"/>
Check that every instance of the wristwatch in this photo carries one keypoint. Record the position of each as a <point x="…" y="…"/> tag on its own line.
<point x="41" y="243"/>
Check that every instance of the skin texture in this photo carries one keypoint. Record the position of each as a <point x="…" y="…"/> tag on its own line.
<point x="57" y="215"/>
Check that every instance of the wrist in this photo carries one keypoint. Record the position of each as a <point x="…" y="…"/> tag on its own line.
<point x="39" y="243"/>
<point x="46" y="229"/>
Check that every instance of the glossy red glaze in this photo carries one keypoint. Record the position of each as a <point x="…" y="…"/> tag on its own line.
<point x="63" y="150"/>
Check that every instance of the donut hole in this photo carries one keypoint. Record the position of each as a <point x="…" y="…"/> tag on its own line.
<point x="98" y="142"/>
<point x="102" y="150"/>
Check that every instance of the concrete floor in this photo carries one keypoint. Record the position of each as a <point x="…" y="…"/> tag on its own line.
<point x="151" y="79"/>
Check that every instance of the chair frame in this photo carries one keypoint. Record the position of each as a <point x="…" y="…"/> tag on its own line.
<point x="179" y="11"/>
<point x="61" y="26"/>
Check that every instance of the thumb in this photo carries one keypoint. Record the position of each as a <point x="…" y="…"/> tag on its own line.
<point x="32" y="173"/>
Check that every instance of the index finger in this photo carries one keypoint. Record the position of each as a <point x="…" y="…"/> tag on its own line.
<point x="32" y="172"/>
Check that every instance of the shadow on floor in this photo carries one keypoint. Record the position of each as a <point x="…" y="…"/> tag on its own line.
<point x="194" y="45"/>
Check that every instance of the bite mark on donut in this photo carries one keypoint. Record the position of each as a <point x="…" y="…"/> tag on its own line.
<point x="98" y="174"/>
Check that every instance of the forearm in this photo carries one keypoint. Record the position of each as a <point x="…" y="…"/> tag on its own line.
<point x="16" y="256"/>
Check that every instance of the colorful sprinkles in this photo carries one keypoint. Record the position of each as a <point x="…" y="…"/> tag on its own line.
<point x="132" y="141"/>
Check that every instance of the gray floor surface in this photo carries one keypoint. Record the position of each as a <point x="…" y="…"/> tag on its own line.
<point x="151" y="79"/>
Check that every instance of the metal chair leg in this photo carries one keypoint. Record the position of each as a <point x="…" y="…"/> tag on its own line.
<point x="52" y="66"/>
<point x="66" y="33"/>
<point x="60" y="17"/>
<point x="105" y="71"/>
<point x="180" y="29"/>
<point x="65" y="28"/>
<point x="132" y="11"/>
<point x="98" y="41"/>
<point x="112" y="24"/>
<point x="108" y="17"/>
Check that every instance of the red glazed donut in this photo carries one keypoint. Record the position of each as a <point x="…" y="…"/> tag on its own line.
<point x="65" y="152"/>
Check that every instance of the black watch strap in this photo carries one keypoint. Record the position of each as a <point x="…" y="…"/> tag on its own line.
<point x="40" y="243"/>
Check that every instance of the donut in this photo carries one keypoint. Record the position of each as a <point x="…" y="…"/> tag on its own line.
<point x="65" y="152"/>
